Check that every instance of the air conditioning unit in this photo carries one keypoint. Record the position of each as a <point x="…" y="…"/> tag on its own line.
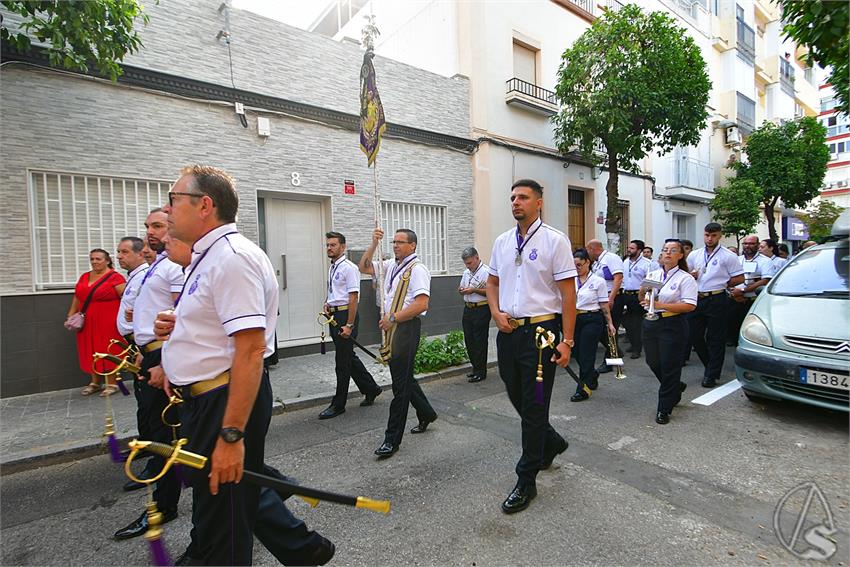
<point x="842" y="184"/>
<point x="733" y="136"/>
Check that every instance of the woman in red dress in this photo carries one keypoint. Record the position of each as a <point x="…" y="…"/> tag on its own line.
<point x="100" y="317"/>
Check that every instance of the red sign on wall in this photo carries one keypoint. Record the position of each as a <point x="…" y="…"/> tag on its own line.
<point x="349" y="187"/>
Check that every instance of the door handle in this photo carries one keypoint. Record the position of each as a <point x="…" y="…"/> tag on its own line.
<point x="283" y="270"/>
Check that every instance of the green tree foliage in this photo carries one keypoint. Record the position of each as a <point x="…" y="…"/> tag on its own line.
<point x="78" y="34"/>
<point x="633" y="82"/>
<point x="786" y="161"/>
<point x="736" y="207"/>
<point x="819" y="219"/>
<point x="822" y="26"/>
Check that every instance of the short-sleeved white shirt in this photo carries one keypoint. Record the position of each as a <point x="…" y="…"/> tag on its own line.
<point x="606" y="266"/>
<point x="754" y="270"/>
<point x="420" y="280"/>
<point x="715" y="269"/>
<point x="591" y="294"/>
<point x="774" y="263"/>
<point x="476" y="279"/>
<point x="531" y="289"/>
<point x="163" y="278"/>
<point x="230" y="287"/>
<point x="128" y="299"/>
<point x="634" y="272"/>
<point x="343" y="278"/>
<point x="679" y="286"/>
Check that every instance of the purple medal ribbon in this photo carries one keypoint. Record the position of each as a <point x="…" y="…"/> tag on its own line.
<point x="400" y="269"/>
<point x="522" y="242"/>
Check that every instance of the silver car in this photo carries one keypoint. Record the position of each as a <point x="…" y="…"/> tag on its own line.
<point x="795" y="341"/>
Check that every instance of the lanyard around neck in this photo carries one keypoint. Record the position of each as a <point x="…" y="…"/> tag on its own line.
<point x="198" y="263"/>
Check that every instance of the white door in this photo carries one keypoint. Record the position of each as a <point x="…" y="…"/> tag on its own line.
<point x="295" y="245"/>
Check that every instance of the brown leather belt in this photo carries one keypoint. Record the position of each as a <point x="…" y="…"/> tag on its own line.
<point x="709" y="293"/>
<point x="516" y="323"/>
<point x="152" y="346"/>
<point x="338" y="308"/>
<point x="475" y="304"/>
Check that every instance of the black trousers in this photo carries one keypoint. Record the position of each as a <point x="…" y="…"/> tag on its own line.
<point x="589" y="326"/>
<point x="476" y="334"/>
<point x="150" y="402"/>
<point x="518" y="358"/>
<point x="224" y="524"/>
<point x="708" y="333"/>
<point x="735" y="317"/>
<point x="348" y="364"/>
<point x="633" y="320"/>
<point x="664" y="340"/>
<point x="406" y="390"/>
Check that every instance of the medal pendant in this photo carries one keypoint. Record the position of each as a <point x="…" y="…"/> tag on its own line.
<point x="518" y="260"/>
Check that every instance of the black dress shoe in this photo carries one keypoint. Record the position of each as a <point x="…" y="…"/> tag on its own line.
<point x="331" y="411"/>
<point x="708" y="383"/>
<point x="662" y="418"/>
<point x="140" y="525"/>
<point x="131" y="485"/>
<point x="519" y="499"/>
<point x="422" y="426"/>
<point x="370" y="399"/>
<point x="386" y="450"/>
<point x="476" y="378"/>
<point x="634" y="355"/>
<point x="322" y="554"/>
<point x="545" y="464"/>
<point x="603" y="369"/>
<point x="579" y="396"/>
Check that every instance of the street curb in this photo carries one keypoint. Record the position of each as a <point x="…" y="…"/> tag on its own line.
<point x="53" y="455"/>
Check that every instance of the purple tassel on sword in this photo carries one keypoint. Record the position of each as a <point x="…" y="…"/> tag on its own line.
<point x="159" y="556"/>
<point x="538" y="392"/>
<point x="114" y="449"/>
<point x="121" y="386"/>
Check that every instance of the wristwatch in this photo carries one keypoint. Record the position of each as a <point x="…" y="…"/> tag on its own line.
<point x="230" y="434"/>
<point x="569" y="342"/>
<point x="350" y="325"/>
<point x="392" y="318"/>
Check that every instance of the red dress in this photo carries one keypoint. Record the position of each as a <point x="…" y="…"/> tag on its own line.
<point x="101" y="315"/>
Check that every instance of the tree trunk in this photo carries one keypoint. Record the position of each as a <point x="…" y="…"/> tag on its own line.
<point x="769" y="208"/>
<point x="612" y="220"/>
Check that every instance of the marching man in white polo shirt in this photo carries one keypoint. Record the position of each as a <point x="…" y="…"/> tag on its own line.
<point x="531" y="284"/>
<point x="476" y="313"/>
<point x="609" y="267"/>
<point x="716" y="269"/>
<point x="130" y="258"/>
<point x="223" y="328"/>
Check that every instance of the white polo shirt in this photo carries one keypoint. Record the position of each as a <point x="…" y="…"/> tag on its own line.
<point x="606" y="266"/>
<point x="128" y="299"/>
<point x="591" y="294"/>
<point x="679" y="286"/>
<point x="230" y="287"/>
<point x="420" y="280"/>
<point x="163" y="278"/>
<point x="343" y="278"/>
<point x="476" y="279"/>
<point x="715" y="269"/>
<point x="774" y="263"/>
<point x="634" y="272"/>
<point x="754" y="270"/>
<point x="531" y="289"/>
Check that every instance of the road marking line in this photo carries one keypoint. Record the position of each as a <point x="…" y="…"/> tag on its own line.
<point x="622" y="442"/>
<point x="717" y="393"/>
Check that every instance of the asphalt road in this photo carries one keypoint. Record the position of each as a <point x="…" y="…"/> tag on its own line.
<point x="700" y="490"/>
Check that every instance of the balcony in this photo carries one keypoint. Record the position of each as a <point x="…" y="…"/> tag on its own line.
<point x="745" y="114"/>
<point x="786" y="77"/>
<point x="690" y="179"/>
<point x="746" y="42"/>
<point x="531" y="97"/>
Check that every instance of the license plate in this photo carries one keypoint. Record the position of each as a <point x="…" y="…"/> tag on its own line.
<point x="825" y="379"/>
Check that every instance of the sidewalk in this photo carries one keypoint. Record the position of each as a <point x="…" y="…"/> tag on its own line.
<point x="52" y="427"/>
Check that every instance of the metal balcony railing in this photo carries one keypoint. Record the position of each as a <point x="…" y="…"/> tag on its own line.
<point x="586" y="5"/>
<point x="692" y="173"/>
<point x="786" y="76"/>
<point x="746" y="42"/>
<point x="532" y="90"/>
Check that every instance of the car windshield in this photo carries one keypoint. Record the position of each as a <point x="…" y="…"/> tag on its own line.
<point x="817" y="273"/>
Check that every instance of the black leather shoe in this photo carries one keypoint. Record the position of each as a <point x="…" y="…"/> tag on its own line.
<point x="579" y="396"/>
<point x="386" y="450"/>
<point x="519" y="499"/>
<point x="322" y="554"/>
<point x="707" y="383"/>
<point x="662" y="418"/>
<point x="370" y="399"/>
<point x="140" y="525"/>
<point x="476" y="378"/>
<point x="634" y="355"/>
<point x="548" y="461"/>
<point x="131" y="485"/>
<point x="603" y="369"/>
<point x="422" y="426"/>
<point x="331" y="411"/>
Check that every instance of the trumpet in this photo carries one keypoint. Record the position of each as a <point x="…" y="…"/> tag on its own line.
<point x="615" y="359"/>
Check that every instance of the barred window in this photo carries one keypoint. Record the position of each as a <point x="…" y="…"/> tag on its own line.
<point x="73" y="213"/>
<point x="429" y="224"/>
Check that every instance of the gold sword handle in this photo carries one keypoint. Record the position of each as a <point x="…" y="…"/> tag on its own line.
<point x="174" y="455"/>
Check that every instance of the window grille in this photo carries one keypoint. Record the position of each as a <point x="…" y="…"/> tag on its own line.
<point x="72" y="213"/>
<point x="429" y="224"/>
